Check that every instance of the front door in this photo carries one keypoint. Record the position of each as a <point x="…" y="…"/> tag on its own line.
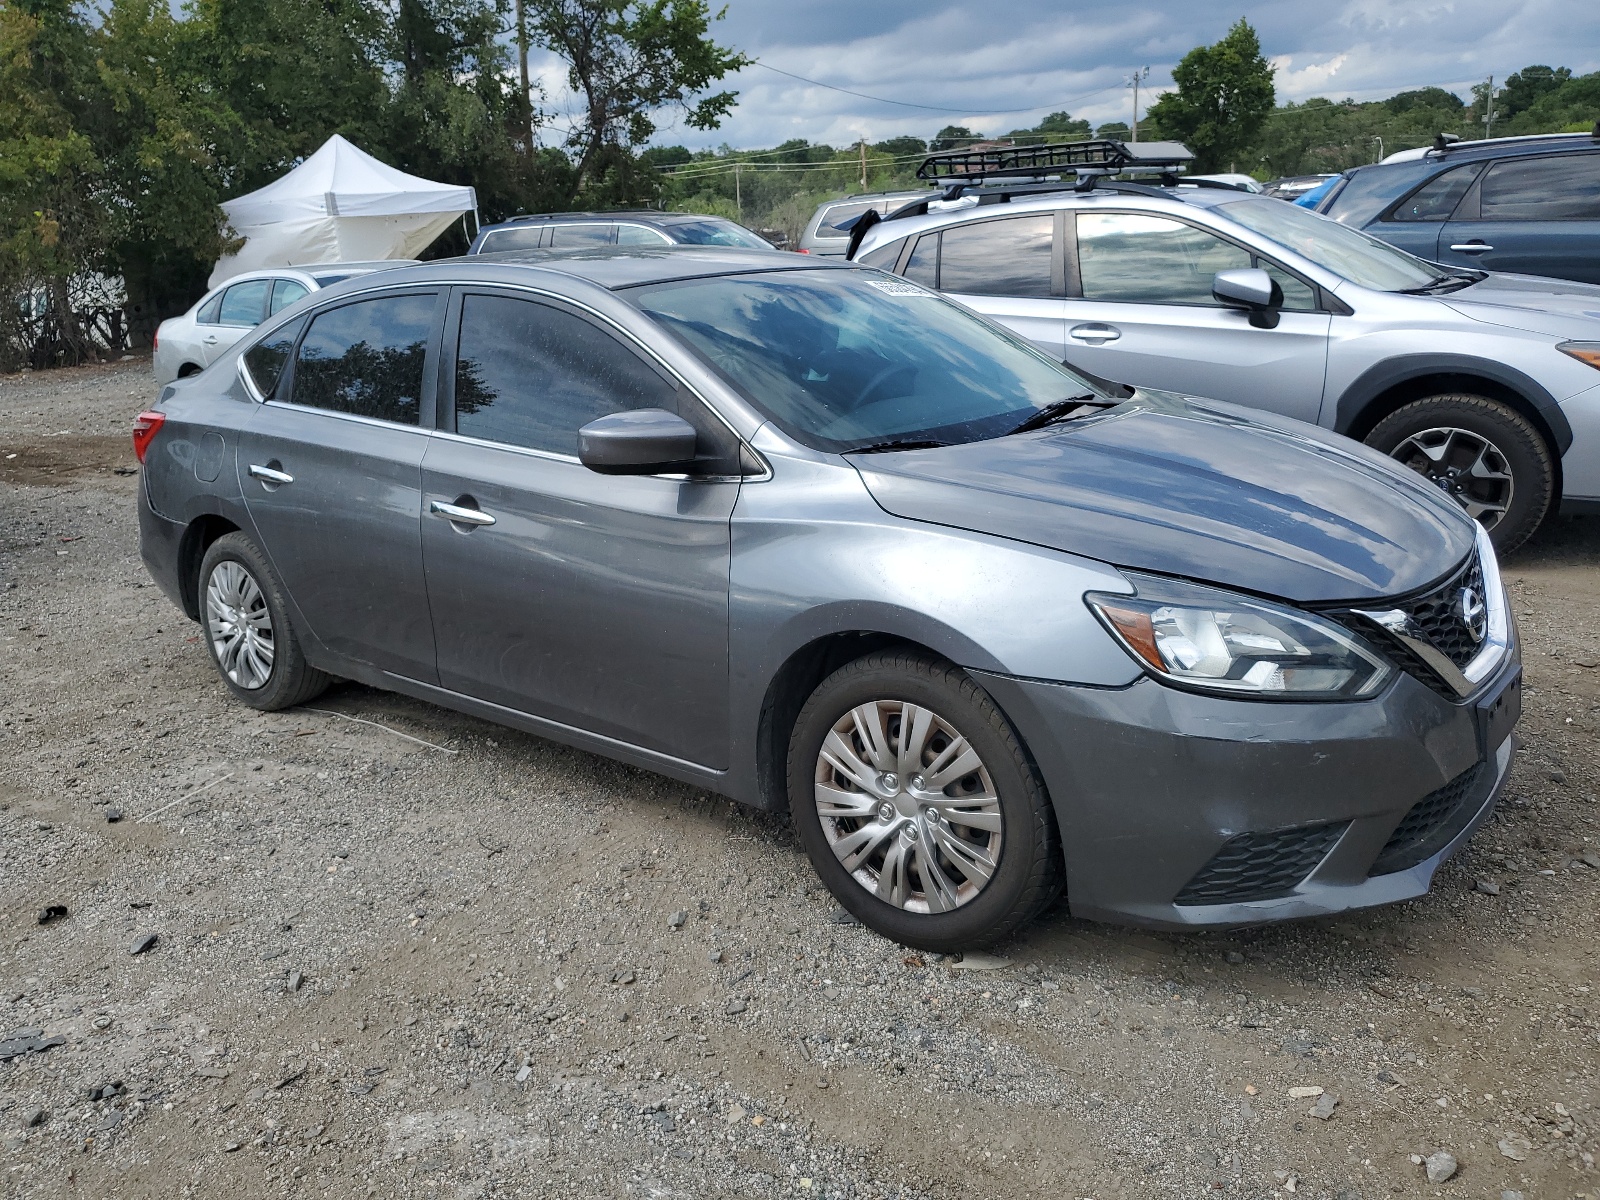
<point x="599" y="602"/>
<point x="331" y="472"/>
<point x="1531" y="216"/>
<point x="1146" y="317"/>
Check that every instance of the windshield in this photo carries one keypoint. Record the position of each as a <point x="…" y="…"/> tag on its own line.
<point x="841" y="359"/>
<point x="1348" y="253"/>
<point x="716" y="232"/>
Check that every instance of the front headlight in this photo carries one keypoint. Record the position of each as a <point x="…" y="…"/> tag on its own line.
<point x="1211" y="640"/>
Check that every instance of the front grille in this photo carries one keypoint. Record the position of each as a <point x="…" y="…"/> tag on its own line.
<point x="1430" y="824"/>
<point x="1437" y="614"/>
<point x="1260" y="866"/>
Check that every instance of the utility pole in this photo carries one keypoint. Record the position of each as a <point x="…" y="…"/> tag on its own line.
<point x="1133" y="81"/>
<point x="522" y="64"/>
<point x="1379" y="140"/>
<point x="1488" y="109"/>
<point x="863" y="164"/>
<point x="738" y="191"/>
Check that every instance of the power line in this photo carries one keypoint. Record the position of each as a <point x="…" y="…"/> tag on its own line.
<point x="988" y="112"/>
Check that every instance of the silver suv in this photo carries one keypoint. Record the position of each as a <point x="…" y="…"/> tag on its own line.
<point x="1484" y="383"/>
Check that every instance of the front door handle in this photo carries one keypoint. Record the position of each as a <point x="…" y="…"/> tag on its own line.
<point x="1094" y="333"/>
<point x="1472" y="248"/>
<point x="459" y="514"/>
<point x="269" y="475"/>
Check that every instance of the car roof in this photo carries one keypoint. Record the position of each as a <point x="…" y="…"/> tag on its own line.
<point x="645" y="216"/>
<point x="615" y="267"/>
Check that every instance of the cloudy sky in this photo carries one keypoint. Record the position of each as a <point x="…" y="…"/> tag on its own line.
<point x="980" y="58"/>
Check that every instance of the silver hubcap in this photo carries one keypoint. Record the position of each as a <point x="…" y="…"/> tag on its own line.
<point x="240" y="625"/>
<point x="908" y="806"/>
<point x="1465" y="465"/>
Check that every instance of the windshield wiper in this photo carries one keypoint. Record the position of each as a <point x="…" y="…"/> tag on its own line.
<point x="906" y="444"/>
<point x="1060" y="410"/>
<point x="1447" y="283"/>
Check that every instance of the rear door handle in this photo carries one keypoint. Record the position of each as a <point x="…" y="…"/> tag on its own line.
<point x="211" y="340"/>
<point x="268" y="475"/>
<point x="1472" y="248"/>
<point x="461" y="515"/>
<point x="1094" y="333"/>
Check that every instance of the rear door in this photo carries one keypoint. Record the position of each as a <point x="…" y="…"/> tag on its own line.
<point x="330" y="468"/>
<point x="1533" y="216"/>
<point x="596" y="601"/>
<point x="1145" y="316"/>
<point x="1007" y="268"/>
<point x="241" y="309"/>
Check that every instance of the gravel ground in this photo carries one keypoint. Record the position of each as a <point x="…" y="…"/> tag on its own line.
<point x="401" y="952"/>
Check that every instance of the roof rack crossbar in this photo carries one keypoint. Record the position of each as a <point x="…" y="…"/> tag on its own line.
<point x="1103" y="155"/>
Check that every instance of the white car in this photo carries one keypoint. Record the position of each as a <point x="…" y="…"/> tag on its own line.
<point x="189" y="344"/>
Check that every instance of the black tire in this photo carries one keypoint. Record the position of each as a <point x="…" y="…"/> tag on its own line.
<point x="1029" y="872"/>
<point x="291" y="679"/>
<point x="1509" y="434"/>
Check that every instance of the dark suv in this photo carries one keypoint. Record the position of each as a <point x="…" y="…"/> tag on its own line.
<point x="645" y="228"/>
<point x="1525" y="204"/>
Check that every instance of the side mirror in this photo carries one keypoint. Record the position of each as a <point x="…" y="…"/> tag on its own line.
<point x="1251" y="289"/>
<point x="641" y="441"/>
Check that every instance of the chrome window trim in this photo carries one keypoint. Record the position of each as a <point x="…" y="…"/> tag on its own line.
<point x="344" y="416"/>
<point x="574" y="460"/>
<point x="249" y="384"/>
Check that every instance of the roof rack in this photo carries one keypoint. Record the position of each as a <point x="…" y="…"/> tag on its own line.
<point x="1100" y="156"/>
<point x="1443" y="143"/>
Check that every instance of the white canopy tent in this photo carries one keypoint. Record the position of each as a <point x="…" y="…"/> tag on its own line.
<point x="340" y="205"/>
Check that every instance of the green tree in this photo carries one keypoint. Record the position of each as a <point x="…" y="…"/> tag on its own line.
<point x="1116" y="130"/>
<point x="901" y="147"/>
<point x="1223" y="97"/>
<point x="953" y="137"/>
<point x="626" y="60"/>
<point x="1432" y="98"/>
<point x="1057" y="127"/>
<point x="1527" y="87"/>
<point x="51" y="226"/>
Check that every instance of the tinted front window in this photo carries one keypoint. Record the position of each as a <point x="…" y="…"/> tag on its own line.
<point x="526" y="238"/>
<point x="841" y="359"/>
<point x="285" y="292"/>
<point x="266" y="359"/>
<point x="596" y="234"/>
<point x="1437" y="199"/>
<point x="1137" y="258"/>
<point x="528" y="374"/>
<point x="998" y="258"/>
<point x="366" y="358"/>
<point x="713" y="231"/>
<point x="244" y="303"/>
<point x="1564" y="188"/>
<point x="1348" y="253"/>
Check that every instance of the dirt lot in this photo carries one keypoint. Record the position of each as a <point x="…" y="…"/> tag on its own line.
<point x="445" y="964"/>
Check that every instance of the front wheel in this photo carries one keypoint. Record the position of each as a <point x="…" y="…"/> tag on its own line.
<point x="1484" y="454"/>
<point x="918" y="805"/>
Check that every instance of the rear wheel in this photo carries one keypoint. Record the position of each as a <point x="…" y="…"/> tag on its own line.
<point x="1484" y="454"/>
<point x="918" y="805"/>
<point x="247" y="628"/>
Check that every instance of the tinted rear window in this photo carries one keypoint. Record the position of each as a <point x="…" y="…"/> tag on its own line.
<point x="1562" y="188"/>
<point x="367" y="358"/>
<point x="840" y="214"/>
<point x="511" y="239"/>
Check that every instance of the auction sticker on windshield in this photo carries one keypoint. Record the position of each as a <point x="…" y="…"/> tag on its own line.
<point x="895" y="287"/>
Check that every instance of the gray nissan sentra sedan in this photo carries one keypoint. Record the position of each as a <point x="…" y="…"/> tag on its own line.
<point x="814" y="538"/>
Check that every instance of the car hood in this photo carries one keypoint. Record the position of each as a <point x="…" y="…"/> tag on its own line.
<point x="1557" y="307"/>
<point x="1194" y="488"/>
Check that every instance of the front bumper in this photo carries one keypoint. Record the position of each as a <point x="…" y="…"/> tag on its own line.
<point x="1163" y="796"/>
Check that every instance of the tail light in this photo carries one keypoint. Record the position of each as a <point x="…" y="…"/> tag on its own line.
<point x="155" y="340"/>
<point x="802" y="250"/>
<point x="145" y="427"/>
